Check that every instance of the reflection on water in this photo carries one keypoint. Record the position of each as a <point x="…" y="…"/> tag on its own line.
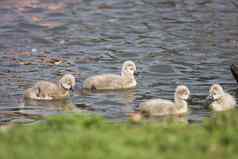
<point x="190" y="42"/>
<point x="104" y="102"/>
<point x="49" y="106"/>
<point x="125" y="96"/>
<point x="168" y="119"/>
<point x="31" y="110"/>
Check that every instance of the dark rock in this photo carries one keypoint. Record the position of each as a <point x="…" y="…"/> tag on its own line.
<point x="234" y="70"/>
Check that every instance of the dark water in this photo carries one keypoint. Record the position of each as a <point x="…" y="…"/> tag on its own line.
<point x="172" y="42"/>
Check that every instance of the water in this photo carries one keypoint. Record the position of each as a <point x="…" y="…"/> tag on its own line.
<point x="173" y="42"/>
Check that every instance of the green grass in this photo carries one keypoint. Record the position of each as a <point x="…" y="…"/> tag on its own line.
<point x="81" y="136"/>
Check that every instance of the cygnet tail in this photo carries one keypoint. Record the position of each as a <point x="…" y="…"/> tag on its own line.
<point x="89" y="84"/>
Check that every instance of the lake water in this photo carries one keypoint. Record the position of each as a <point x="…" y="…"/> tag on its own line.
<point x="172" y="42"/>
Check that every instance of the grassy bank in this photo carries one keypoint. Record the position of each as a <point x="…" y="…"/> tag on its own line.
<point x="81" y="136"/>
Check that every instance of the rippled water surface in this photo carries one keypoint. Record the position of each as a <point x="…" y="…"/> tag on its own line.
<point x="172" y="42"/>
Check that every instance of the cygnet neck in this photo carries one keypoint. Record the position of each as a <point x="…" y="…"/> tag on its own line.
<point x="64" y="90"/>
<point x="127" y="76"/>
<point x="180" y="103"/>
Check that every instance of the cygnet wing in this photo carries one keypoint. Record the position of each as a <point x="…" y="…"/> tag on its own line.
<point x="105" y="81"/>
<point x="229" y="101"/>
<point x="46" y="89"/>
<point x="158" y="107"/>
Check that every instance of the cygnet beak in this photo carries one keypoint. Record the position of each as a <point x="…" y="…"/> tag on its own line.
<point x="71" y="88"/>
<point x="208" y="101"/>
<point x="189" y="100"/>
<point x="210" y="98"/>
<point x="136" y="73"/>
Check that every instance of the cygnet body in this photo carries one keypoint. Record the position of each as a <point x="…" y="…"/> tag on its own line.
<point x="221" y="100"/>
<point x="45" y="90"/>
<point x="112" y="81"/>
<point x="162" y="107"/>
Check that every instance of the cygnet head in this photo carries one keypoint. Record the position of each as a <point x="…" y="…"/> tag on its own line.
<point x="128" y="68"/>
<point x="215" y="92"/>
<point x="67" y="81"/>
<point x="182" y="92"/>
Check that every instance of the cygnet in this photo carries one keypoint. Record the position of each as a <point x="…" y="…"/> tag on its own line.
<point x="221" y="100"/>
<point x="162" y="107"/>
<point x="45" y="90"/>
<point x="112" y="81"/>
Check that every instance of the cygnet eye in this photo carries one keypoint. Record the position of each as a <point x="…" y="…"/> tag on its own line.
<point x="131" y="68"/>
